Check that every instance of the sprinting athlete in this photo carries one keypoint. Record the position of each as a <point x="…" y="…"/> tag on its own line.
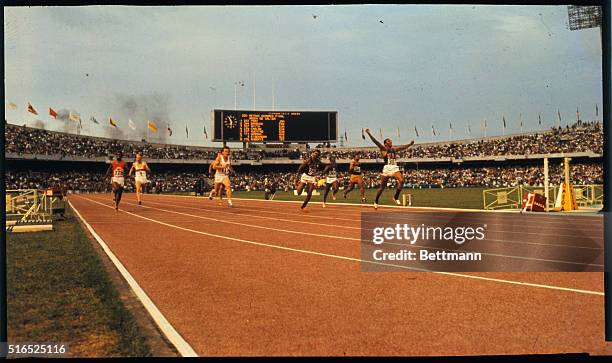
<point x="222" y="165"/>
<point x="309" y="177"/>
<point x="390" y="169"/>
<point x="141" y="168"/>
<point x="117" y="171"/>
<point x="331" y="178"/>
<point x="355" y="178"/>
<point x="211" y="173"/>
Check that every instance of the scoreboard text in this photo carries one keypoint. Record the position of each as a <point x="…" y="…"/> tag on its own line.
<point x="275" y="126"/>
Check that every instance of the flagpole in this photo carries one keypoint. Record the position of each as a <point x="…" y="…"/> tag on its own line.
<point x="253" y="91"/>
<point x="485" y="128"/>
<point x="273" y="90"/>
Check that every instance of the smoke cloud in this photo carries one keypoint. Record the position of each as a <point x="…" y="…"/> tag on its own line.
<point x="140" y="108"/>
<point x="39" y="124"/>
<point x="67" y="125"/>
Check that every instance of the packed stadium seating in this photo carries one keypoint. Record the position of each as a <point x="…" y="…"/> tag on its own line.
<point x="178" y="181"/>
<point x="52" y="149"/>
<point x="579" y="137"/>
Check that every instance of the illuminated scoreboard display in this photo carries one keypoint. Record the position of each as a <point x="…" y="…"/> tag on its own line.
<point x="275" y="126"/>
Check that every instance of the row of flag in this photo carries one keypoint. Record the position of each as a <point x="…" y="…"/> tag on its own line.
<point x="113" y="122"/>
<point x="485" y="126"/>
<point x="151" y="126"/>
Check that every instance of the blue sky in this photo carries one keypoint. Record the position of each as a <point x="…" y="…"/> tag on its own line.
<point x="379" y="66"/>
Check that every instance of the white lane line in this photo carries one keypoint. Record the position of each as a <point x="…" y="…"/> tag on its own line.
<point x="556" y="229"/>
<point x="359" y="239"/>
<point x="369" y="205"/>
<point x="512" y="282"/>
<point x="538" y="214"/>
<point x="180" y="205"/>
<point x="190" y="206"/>
<point x="164" y="325"/>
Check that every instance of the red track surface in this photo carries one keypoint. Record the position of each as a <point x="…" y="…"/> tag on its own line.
<point x="246" y="296"/>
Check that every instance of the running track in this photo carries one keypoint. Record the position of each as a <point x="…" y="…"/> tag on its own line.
<point x="277" y="282"/>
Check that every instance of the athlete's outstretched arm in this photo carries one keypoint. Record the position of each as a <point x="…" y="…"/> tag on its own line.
<point x="380" y="146"/>
<point x="404" y="147"/>
<point x="109" y="170"/>
<point x="131" y="169"/>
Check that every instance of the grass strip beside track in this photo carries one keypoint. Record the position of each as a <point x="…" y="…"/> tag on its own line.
<point x="59" y="292"/>
<point x="469" y="198"/>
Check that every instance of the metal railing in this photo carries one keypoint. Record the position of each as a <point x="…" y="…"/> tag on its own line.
<point x="27" y="206"/>
<point x="511" y="197"/>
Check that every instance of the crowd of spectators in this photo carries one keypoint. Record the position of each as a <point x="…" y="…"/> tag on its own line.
<point x="579" y="137"/>
<point x="173" y="182"/>
<point x="25" y="140"/>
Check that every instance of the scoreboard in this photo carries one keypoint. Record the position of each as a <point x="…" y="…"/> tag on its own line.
<point x="275" y="126"/>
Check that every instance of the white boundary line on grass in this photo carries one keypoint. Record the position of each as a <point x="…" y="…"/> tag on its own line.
<point x="164" y="325"/>
<point x="529" y="284"/>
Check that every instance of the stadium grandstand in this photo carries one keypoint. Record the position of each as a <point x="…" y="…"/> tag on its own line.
<point x="39" y="158"/>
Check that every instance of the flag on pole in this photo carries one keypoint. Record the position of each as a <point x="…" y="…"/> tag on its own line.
<point x="187" y="131"/>
<point x="31" y="109"/>
<point x="345" y="136"/>
<point x="11" y="105"/>
<point x="74" y="117"/>
<point x="504" y="120"/>
<point x="433" y="130"/>
<point x="205" y="133"/>
<point x="416" y="131"/>
<point x="577" y="114"/>
<point x="398" y="133"/>
<point x="112" y="122"/>
<point x="559" y="116"/>
<point x="131" y="124"/>
<point x="469" y="129"/>
<point x="521" y="117"/>
<point x="93" y="119"/>
<point x="539" y="119"/>
<point x="362" y="134"/>
<point x="381" y="134"/>
<point x="151" y="126"/>
<point x="169" y="131"/>
<point x="52" y="113"/>
<point x="596" y="110"/>
<point x="80" y="124"/>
